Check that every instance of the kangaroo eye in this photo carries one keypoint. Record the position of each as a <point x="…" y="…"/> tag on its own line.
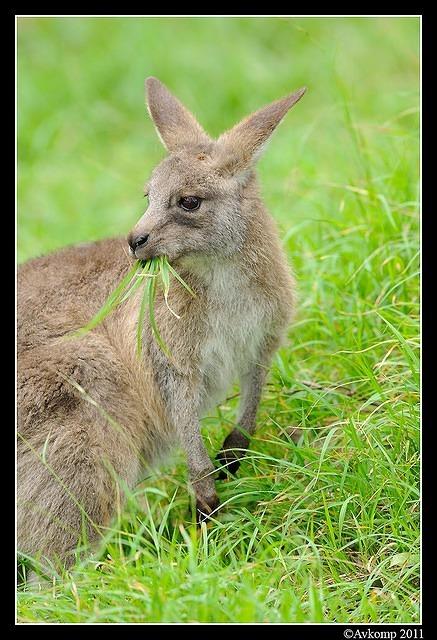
<point x="189" y="203"/>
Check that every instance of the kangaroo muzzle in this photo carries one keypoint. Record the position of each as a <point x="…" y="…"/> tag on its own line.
<point x="135" y="242"/>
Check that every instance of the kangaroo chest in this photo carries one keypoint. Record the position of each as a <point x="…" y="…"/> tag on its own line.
<point x="235" y="325"/>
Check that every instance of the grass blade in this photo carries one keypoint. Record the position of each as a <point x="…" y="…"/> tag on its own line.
<point x="165" y="278"/>
<point x="132" y="281"/>
<point x="153" y="325"/>
<point x="137" y="277"/>
<point x="110" y="304"/>
<point x="141" y="315"/>
<point x="178" y="277"/>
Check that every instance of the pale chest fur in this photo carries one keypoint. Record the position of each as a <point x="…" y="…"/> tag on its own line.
<point x="236" y="322"/>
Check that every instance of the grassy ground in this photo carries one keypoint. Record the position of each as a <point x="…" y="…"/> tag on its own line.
<point x="322" y="523"/>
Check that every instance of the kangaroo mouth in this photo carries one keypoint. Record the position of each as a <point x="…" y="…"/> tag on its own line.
<point x="144" y="253"/>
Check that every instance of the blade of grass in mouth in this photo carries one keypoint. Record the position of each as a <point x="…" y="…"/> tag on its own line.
<point x="142" y="313"/>
<point x="153" y="325"/>
<point x="111" y="302"/>
<point x="143" y="273"/>
<point x="165" y="278"/>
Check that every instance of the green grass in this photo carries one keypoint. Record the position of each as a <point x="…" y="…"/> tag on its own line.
<point x="322" y="523"/>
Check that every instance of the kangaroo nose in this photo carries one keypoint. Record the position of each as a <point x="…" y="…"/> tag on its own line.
<point x="134" y="243"/>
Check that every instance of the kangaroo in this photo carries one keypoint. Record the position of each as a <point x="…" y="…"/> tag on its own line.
<point x="92" y="415"/>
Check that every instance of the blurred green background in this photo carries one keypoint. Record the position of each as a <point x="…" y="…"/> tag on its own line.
<point x="86" y="144"/>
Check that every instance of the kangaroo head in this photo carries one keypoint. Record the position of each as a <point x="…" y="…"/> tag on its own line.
<point x="196" y="193"/>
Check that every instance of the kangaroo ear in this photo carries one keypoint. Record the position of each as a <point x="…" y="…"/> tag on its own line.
<point x="242" y="145"/>
<point x="175" y="125"/>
